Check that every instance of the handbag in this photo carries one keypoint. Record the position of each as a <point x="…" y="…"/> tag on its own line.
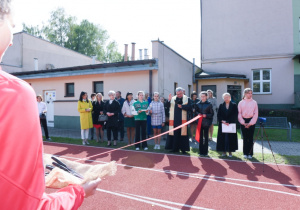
<point x="102" y="118"/>
<point x="42" y="116"/>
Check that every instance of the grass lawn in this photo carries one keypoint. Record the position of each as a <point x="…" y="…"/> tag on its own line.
<point x="273" y="134"/>
<point x="281" y="159"/>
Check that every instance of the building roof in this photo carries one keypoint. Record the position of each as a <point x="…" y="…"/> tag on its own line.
<point x="214" y="75"/>
<point x="90" y="69"/>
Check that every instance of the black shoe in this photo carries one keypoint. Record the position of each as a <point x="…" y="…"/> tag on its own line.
<point x="121" y="139"/>
<point x="184" y="152"/>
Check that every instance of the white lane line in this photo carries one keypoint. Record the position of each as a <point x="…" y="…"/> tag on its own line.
<point x="168" y="202"/>
<point x="193" y="175"/>
<point x="184" y="156"/>
<point x="137" y="199"/>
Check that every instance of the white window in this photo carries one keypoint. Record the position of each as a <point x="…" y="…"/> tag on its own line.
<point x="261" y="81"/>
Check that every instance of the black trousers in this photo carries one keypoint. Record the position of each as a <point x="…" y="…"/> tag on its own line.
<point x="248" y="138"/>
<point x="44" y="124"/>
<point x="115" y="132"/>
<point x="121" y="128"/>
<point x="203" y="144"/>
<point x="140" y="125"/>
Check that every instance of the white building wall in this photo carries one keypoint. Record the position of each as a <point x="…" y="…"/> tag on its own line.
<point x="172" y="68"/>
<point x="20" y="56"/>
<point x="235" y="28"/>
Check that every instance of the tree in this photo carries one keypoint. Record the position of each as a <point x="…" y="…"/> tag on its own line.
<point x="86" y="38"/>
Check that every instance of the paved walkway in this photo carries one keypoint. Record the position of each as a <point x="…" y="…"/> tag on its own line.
<point x="278" y="147"/>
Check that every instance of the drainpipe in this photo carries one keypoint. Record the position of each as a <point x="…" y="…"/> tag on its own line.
<point x="150" y="83"/>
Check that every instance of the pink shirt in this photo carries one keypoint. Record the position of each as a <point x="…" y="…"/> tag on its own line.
<point x="22" y="178"/>
<point x="248" y="109"/>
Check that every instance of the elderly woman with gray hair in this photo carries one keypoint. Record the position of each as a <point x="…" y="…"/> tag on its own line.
<point x="111" y="109"/>
<point x="227" y="113"/>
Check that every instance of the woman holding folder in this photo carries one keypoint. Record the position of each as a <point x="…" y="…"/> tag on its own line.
<point x="227" y="116"/>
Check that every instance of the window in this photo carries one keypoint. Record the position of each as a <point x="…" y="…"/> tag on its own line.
<point x="69" y="90"/>
<point x="261" y="81"/>
<point x="175" y="86"/>
<point x="98" y="87"/>
<point x="189" y="87"/>
<point x="210" y="87"/>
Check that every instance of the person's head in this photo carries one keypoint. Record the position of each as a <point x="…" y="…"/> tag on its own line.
<point x="83" y="96"/>
<point x="162" y="99"/>
<point x="6" y="25"/>
<point x="129" y="96"/>
<point x="146" y="94"/>
<point x="118" y="94"/>
<point x="194" y="96"/>
<point x="93" y="96"/>
<point x="210" y="93"/>
<point x="99" y="97"/>
<point x="156" y="96"/>
<point x="140" y="95"/>
<point x="226" y="97"/>
<point x="179" y="92"/>
<point x="247" y="93"/>
<point x="183" y="91"/>
<point x="111" y="94"/>
<point x="39" y="98"/>
<point x="203" y="96"/>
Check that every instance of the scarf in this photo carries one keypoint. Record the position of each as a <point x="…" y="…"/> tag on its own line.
<point x="183" y="115"/>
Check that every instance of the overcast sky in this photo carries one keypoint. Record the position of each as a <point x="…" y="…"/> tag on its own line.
<point x="176" y="22"/>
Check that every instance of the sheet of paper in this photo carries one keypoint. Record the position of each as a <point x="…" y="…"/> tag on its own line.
<point x="231" y="128"/>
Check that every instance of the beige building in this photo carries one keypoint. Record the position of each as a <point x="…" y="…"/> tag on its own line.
<point x="61" y="87"/>
<point x="30" y="53"/>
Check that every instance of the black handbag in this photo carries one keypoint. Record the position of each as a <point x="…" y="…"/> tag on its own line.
<point x="102" y="118"/>
<point x="42" y="116"/>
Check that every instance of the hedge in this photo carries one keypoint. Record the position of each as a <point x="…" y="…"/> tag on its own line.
<point x="293" y="116"/>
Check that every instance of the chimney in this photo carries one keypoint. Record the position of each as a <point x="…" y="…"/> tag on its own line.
<point x="126" y="53"/>
<point x="141" y="54"/>
<point x="145" y="54"/>
<point x="94" y="59"/>
<point x="133" y="51"/>
<point x="36" y="64"/>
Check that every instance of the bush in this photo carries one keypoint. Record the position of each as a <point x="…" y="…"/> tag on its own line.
<point x="293" y="116"/>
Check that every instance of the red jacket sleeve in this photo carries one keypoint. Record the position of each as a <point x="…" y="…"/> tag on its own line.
<point x="70" y="197"/>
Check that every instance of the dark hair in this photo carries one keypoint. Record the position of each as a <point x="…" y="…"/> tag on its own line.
<point x="193" y="94"/>
<point x="82" y="94"/>
<point x="129" y="93"/>
<point x="93" y="94"/>
<point x="119" y="92"/>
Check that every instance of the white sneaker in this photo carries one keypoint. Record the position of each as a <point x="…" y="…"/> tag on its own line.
<point x="137" y="148"/>
<point x="146" y="148"/>
<point x="229" y="155"/>
<point x="158" y="146"/>
<point x="249" y="157"/>
<point x="245" y="156"/>
<point x="83" y="142"/>
<point x="155" y="147"/>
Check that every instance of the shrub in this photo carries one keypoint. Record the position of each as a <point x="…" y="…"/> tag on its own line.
<point x="292" y="116"/>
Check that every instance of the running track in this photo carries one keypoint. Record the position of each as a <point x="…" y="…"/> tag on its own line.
<point x="146" y="180"/>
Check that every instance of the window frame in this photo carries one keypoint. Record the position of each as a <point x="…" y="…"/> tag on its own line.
<point x="67" y="94"/>
<point x="261" y="81"/>
<point x="94" y="87"/>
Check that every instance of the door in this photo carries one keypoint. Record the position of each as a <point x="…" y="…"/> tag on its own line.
<point x="235" y="92"/>
<point x="50" y="96"/>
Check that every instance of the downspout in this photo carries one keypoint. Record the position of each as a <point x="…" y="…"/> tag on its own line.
<point x="150" y="83"/>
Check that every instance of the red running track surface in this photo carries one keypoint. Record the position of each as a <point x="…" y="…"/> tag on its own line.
<point x="146" y="180"/>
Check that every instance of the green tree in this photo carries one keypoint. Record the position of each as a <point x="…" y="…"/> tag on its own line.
<point x="86" y="38"/>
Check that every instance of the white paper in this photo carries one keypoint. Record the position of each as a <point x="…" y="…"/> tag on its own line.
<point x="231" y="128"/>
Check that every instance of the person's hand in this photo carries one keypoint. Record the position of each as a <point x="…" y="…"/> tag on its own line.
<point x="90" y="187"/>
<point x="88" y="110"/>
<point x="247" y="125"/>
<point x="163" y="124"/>
<point x="204" y="115"/>
<point x="147" y="111"/>
<point x="170" y="97"/>
<point x="150" y="111"/>
<point x="179" y="106"/>
<point x="139" y="111"/>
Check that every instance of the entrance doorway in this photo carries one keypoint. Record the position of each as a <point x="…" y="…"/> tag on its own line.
<point x="50" y="96"/>
<point x="235" y="92"/>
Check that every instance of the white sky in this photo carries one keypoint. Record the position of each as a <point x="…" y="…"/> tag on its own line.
<point x="176" y="22"/>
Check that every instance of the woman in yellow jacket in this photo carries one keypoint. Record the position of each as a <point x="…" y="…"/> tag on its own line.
<point x="85" y="108"/>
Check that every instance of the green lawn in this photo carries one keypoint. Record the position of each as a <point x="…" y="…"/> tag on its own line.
<point x="281" y="159"/>
<point x="273" y="134"/>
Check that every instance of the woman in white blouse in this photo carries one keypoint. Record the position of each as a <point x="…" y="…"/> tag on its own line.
<point x="129" y="121"/>
<point x="42" y="111"/>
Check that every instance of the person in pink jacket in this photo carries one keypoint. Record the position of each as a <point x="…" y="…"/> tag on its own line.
<point x="248" y="114"/>
<point x="22" y="182"/>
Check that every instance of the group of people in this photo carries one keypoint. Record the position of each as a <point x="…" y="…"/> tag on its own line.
<point x="121" y="113"/>
<point x="183" y="108"/>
